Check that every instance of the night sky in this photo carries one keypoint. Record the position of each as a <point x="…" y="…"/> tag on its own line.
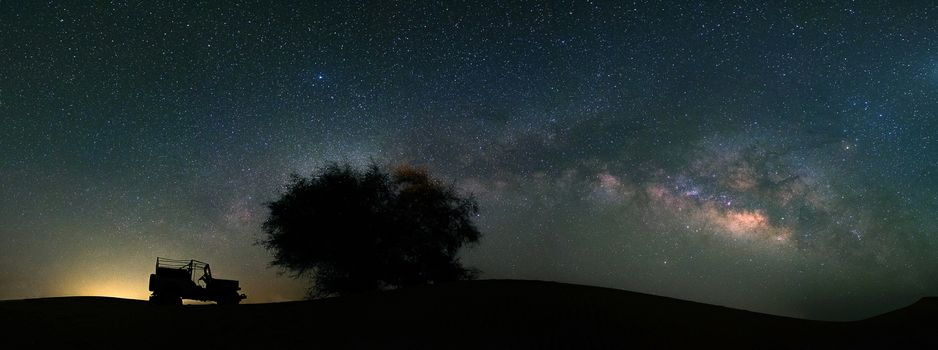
<point x="772" y="156"/>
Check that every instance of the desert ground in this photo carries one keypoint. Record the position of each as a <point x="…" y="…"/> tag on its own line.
<point x="482" y="314"/>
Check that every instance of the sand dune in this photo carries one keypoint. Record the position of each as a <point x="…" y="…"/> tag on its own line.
<point x="476" y="314"/>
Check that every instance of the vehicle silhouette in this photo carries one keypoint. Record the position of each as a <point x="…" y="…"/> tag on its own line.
<point x="175" y="280"/>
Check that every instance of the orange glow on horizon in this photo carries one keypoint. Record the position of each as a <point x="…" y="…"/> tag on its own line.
<point x="111" y="288"/>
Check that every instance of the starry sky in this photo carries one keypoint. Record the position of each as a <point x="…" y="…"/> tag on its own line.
<point x="767" y="155"/>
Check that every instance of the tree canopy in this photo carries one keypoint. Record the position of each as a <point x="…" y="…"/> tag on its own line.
<point x="354" y="231"/>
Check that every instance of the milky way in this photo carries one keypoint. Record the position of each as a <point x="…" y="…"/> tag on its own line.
<point x="772" y="156"/>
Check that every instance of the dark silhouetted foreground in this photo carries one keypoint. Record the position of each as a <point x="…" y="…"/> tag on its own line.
<point x="357" y="231"/>
<point x="175" y="280"/>
<point x="467" y="314"/>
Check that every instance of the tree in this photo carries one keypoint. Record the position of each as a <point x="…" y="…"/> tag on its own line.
<point x="353" y="231"/>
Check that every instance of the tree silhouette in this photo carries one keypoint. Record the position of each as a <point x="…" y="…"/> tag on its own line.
<point x="354" y="231"/>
